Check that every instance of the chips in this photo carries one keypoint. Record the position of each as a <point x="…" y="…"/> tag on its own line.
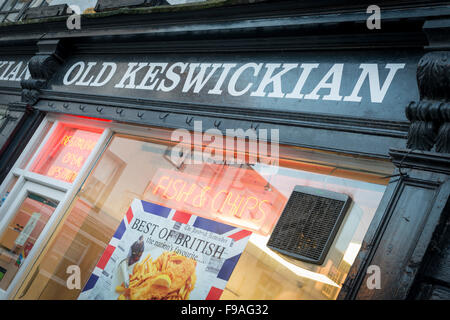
<point x="170" y="277"/>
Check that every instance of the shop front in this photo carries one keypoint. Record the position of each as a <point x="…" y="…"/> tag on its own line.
<point x="117" y="165"/>
<point x="17" y="122"/>
<point x="238" y="167"/>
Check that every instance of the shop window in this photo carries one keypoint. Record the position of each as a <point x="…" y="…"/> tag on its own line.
<point x="65" y="152"/>
<point x="40" y="135"/>
<point x="82" y="4"/>
<point x="105" y="5"/>
<point x="7" y="190"/>
<point x="32" y="194"/>
<point x="139" y="168"/>
<point x="52" y="8"/>
<point x="6" y="124"/>
<point x="17" y="240"/>
<point x="13" y="10"/>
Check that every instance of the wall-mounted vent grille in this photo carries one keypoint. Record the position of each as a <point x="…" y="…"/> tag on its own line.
<point x="309" y="223"/>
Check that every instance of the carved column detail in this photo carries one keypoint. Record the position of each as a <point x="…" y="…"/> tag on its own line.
<point x="429" y="117"/>
<point x="423" y="128"/>
<point x="42" y="66"/>
<point x="443" y="136"/>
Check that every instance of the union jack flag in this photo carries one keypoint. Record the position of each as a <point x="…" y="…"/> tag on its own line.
<point x="220" y="269"/>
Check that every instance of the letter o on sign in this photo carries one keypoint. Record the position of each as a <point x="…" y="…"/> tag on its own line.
<point x="80" y="65"/>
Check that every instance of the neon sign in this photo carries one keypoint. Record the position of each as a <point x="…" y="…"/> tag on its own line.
<point x="223" y="201"/>
<point x="65" y="153"/>
<point x="233" y="195"/>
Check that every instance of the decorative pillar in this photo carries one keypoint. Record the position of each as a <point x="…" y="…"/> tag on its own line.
<point x="42" y="66"/>
<point x="407" y="235"/>
<point x="430" y="117"/>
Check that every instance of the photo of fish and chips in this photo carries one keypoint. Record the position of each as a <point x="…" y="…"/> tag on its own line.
<point x="169" y="277"/>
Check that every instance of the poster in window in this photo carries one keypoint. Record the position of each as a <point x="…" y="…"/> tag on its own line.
<point x="159" y="253"/>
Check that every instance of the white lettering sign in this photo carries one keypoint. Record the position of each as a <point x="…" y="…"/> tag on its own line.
<point x="14" y="71"/>
<point x="272" y="80"/>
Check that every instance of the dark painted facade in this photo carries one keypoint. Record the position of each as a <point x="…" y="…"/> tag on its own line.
<point x="407" y="123"/>
<point x="18" y="121"/>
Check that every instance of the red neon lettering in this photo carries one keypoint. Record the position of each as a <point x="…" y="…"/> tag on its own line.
<point x="263" y="213"/>
<point x="160" y="186"/>
<point x="173" y="186"/>
<point x="186" y="194"/>
<point x="201" y="198"/>
<point x="234" y="206"/>
<point x="77" y="142"/>
<point x="214" y="201"/>
<point x="73" y="159"/>
<point x="201" y="195"/>
<point x="246" y="206"/>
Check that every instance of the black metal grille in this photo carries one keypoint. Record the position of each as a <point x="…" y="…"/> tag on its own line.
<point x="309" y="223"/>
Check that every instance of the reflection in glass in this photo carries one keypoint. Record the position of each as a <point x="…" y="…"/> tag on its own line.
<point x="133" y="167"/>
<point x="21" y="234"/>
<point x="7" y="190"/>
<point x="37" y="3"/>
<point x="12" y="17"/>
<point x="65" y="152"/>
<point x="20" y="4"/>
<point x="42" y="133"/>
<point x="9" y="4"/>
<point x="82" y="4"/>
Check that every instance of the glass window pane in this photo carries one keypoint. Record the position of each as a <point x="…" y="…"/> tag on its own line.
<point x="21" y="234"/>
<point x="82" y="4"/>
<point x="66" y="151"/>
<point x="20" y="4"/>
<point x="9" y="4"/>
<point x="37" y="3"/>
<point x="12" y="17"/>
<point x="3" y="117"/>
<point x="35" y="146"/>
<point x="174" y="2"/>
<point x="137" y="168"/>
<point x="8" y="189"/>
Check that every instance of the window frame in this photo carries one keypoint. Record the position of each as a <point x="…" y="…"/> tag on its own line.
<point x="25" y="177"/>
<point x="31" y="152"/>
<point x="20" y="12"/>
<point x="27" y="189"/>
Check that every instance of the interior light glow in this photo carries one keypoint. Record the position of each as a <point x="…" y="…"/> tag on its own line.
<point x="217" y="194"/>
<point x="261" y="241"/>
<point x="66" y="151"/>
<point x="90" y="118"/>
<point x="351" y="252"/>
